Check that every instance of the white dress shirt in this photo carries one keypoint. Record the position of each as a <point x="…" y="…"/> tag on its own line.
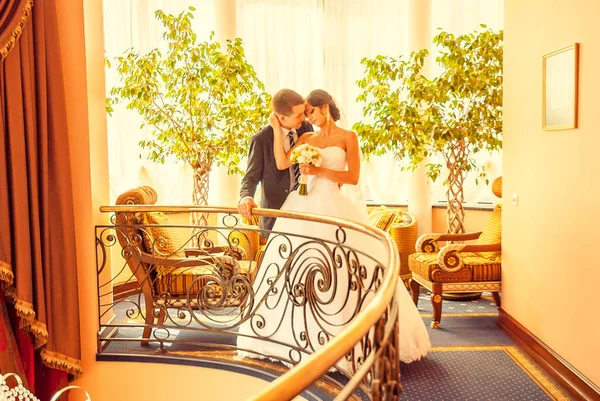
<point x="286" y="148"/>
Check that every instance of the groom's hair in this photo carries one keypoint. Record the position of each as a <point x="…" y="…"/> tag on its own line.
<point x="285" y="100"/>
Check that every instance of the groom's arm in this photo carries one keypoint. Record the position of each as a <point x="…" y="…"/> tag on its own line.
<point x="254" y="172"/>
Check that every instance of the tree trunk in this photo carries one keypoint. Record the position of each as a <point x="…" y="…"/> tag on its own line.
<point x="456" y="163"/>
<point x="454" y="194"/>
<point x="200" y="198"/>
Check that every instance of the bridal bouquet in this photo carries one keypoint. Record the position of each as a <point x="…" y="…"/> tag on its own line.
<point x="305" y="154"/>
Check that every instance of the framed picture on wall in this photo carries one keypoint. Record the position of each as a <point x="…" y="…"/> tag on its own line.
<point x="560" y="88"/>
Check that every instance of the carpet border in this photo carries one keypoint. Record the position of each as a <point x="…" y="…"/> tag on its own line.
<point x="540" y="378"/>
<point x="536" y="374"/>
<point x="558" y="368"/>
<point x="467" y="314"/>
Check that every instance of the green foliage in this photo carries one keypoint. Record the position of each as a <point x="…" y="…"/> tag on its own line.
<point x="204" y="102"/>
<point x="455" y="114"/>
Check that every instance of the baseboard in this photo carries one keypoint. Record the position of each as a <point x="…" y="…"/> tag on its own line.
<point x="125" y="290"/>
<point x="559" y="369"/>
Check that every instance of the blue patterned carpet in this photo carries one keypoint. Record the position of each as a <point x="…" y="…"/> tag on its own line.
<point x="472" y="359"/>
<point x="482" y="306"/>
<point x="464" y="331"/>
<point x="475" y="374"/>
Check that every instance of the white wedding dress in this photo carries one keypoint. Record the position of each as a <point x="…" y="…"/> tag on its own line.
<point x="303" y="300"/>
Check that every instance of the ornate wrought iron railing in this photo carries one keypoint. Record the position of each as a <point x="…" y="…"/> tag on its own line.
<point x="312" y="302"/>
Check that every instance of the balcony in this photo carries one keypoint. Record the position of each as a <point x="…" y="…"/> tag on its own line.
<point x="216" y="298"/>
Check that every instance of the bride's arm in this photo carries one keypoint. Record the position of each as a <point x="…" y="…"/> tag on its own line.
<point x="282" y="159"/>
<point x="349" y="176"/>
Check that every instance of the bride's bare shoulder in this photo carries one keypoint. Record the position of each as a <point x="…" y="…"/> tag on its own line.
<point x="306" y="136"/>
<point x="349" y="134"/>
<point x="345" y="131"/>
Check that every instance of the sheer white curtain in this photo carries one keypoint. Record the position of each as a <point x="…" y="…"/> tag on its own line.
<point x="318" y="44"/>
<point x="353" y="30"/>
<point x="283" y="40"/>
<point x="131" y="24"/>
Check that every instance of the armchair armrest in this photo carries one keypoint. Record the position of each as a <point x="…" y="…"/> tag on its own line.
<point x="229" y="250"/>
<point x="449" y="256"/>
<point x="427" y="243"/>
<point x="226" y="265"/>
<point x="247" y="238"/>
<point x="194" y="252"/>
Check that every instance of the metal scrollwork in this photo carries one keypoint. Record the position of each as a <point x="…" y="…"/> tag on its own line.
<point x="211" y="283"/>
<point x="384" y="376"/>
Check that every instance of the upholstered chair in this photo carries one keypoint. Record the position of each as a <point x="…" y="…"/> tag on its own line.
<point x="170" y="274"/>
<point x="458" y="267"/>
<point x="247" y="236"/>
<point x="402" y="227"/>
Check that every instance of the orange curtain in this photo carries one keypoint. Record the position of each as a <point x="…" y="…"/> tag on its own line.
<point x="13" y="15"/>
<point x="37" y="232"/>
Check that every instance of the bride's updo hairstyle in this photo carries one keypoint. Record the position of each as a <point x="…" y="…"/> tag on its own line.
<point x="319" y="98"/>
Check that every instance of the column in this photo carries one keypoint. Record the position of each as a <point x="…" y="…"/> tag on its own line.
<point x="224" y="189"/>
<point x="419" y="193"/>
<point x="225" y="20"/>
<point x="94" y="169"/>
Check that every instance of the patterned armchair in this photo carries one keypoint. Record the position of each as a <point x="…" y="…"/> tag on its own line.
<point x="402" y="227"/>
<point x="247" y="236"/>
<point x="459" y="268"/>
<point x="168" y="274"/>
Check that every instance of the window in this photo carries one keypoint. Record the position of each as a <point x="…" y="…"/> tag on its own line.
<point x="298" y="44"/>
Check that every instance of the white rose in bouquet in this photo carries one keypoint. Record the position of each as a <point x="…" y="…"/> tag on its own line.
<point x="305" y="154"/>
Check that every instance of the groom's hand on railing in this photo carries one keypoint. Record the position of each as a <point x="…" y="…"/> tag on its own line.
<point x="245" y="207"/>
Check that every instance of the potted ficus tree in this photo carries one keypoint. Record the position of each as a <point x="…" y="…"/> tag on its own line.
<point x="455" y="114"/>
<point x="203" y="100"/>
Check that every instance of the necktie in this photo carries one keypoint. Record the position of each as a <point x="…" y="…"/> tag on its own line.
<point x="295" y="167"/>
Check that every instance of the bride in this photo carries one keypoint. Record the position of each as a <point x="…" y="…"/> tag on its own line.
<point x="308" y="287"/>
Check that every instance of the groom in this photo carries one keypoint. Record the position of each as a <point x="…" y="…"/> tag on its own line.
<point x="276" y="184"/>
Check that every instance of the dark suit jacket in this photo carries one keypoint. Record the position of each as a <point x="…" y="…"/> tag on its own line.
<point x="263" y="168"/>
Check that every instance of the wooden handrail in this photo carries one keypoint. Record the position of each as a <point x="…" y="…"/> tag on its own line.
<point x="372" y="231"/>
